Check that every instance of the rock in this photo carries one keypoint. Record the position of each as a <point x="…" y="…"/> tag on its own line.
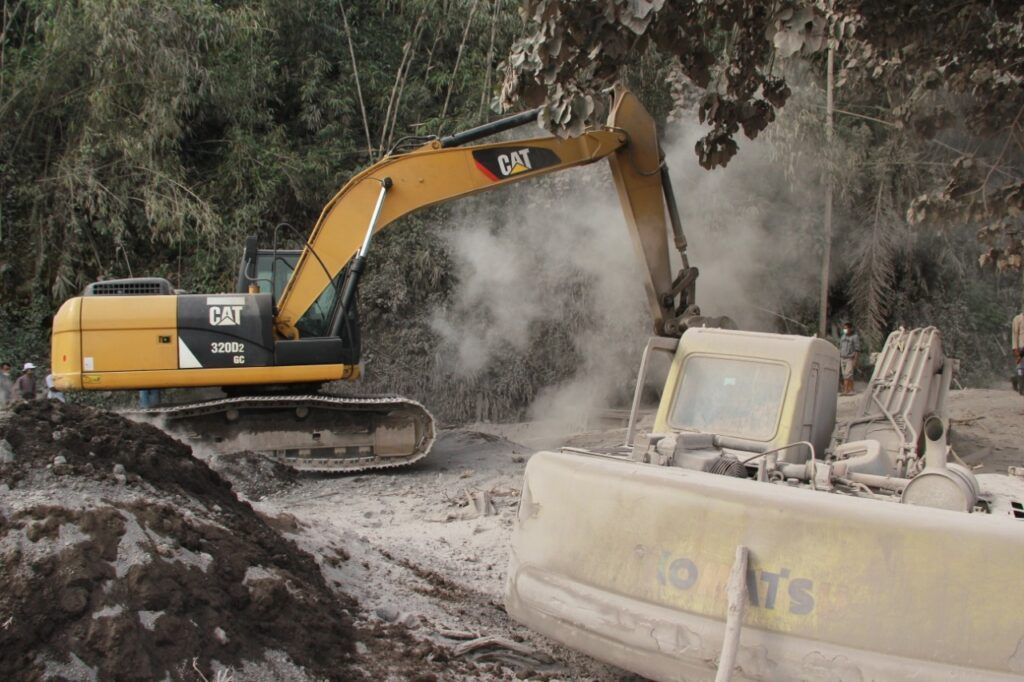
<point x="6" y="453"/>
<point x="518" y="459"/>
<point x="221" y="636"/>
<point x="388" y="614"/>
<point x="119" y="470"/>
<point x="409" y="620"/>
<point x="60" y="460"/>
<point x="74" y="600"/>
<point x="362" y="649"/>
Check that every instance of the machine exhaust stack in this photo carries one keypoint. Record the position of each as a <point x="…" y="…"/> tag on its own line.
<point x="941" y="484"/>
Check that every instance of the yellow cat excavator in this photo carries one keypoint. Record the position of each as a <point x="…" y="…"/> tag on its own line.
<point x="291" y="325"/>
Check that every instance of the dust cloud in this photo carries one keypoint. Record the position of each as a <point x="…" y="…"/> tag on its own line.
<point x="557" y="250"/>
<point x="750" y="231"/>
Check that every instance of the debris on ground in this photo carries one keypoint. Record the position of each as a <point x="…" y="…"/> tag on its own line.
<point x="480" y="503"/>
<point x="526" y="661"/>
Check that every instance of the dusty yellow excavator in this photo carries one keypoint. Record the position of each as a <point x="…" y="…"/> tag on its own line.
<point x="291" y="325"/>
<point x="746" y="535"/>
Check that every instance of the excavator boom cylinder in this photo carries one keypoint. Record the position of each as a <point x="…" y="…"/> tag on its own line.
<point x="488" y="129"/>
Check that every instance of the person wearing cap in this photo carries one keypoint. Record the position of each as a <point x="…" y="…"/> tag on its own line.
<point x="25" y="386"/>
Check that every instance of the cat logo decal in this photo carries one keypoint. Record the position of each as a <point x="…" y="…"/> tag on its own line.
<point x="499" y="163"/>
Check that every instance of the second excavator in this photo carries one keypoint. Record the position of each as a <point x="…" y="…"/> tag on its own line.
<point x="291" y="326"/>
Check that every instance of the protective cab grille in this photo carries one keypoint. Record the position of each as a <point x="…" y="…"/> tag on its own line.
<point x="136" y="286"/>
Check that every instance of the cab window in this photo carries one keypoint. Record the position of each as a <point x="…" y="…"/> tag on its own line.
<point x="730" y="397"/>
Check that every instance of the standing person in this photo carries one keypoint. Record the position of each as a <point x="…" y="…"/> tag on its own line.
<point x="6" y="384"/>
<point x="25" y="386"/>
<point x="849" y="354"/>
<point x="1017" y="348"/>
<point x="149" y="397"/>
<point x="51" y="391"/>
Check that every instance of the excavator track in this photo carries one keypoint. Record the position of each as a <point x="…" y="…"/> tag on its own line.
<point x="312" y="432"/>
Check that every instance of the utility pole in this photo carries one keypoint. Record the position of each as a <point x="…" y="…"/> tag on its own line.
<point x="826" y="259"/>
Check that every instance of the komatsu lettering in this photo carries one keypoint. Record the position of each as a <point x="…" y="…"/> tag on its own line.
<point x="765" y="589"/>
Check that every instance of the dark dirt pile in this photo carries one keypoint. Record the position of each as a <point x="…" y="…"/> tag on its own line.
<point x="122" y="556"/>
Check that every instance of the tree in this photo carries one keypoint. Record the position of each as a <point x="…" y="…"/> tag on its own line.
<point x="942" y="65"/>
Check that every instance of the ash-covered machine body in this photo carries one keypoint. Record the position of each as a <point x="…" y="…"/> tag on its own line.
<point x="292" y="326"/>
<point x="743" y="538"/>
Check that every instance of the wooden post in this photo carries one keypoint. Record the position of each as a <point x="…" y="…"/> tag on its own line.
<point x="736" y="592"/>
<point x="826" y="259"/>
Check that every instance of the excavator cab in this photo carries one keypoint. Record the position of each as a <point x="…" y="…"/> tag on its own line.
<point x="269" y="271"/>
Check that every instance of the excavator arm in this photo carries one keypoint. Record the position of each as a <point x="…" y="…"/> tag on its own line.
<point x="439" y="172"/>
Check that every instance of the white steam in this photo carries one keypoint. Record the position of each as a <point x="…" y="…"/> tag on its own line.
<point x="558" y="250"/>
<point x="750" y="230"/>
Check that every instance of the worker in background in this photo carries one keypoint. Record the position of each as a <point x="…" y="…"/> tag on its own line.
<point x="1017" y="348"/>
<point x="51" y="391"/>
<point x="6" y="384"/>
<point x="25" y="386"/>
<point x="849" y="354"/>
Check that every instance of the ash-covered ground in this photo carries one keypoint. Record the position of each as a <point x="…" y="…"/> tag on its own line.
<point x="126" y="557"/>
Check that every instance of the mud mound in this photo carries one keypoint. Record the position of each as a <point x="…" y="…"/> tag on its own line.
<point x="91" y="443"/>
<point x="124" y="557"/>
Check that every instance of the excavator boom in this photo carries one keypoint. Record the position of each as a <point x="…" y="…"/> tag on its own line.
<point x="436" y="173"/>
